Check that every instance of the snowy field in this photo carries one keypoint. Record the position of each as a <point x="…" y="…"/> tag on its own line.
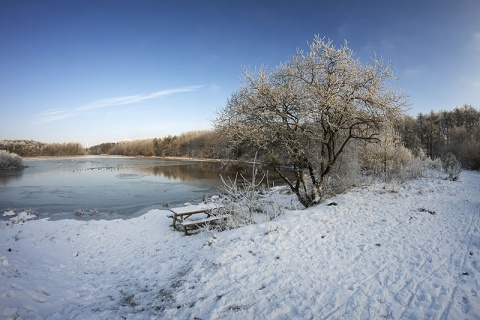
<point x="401" y="251"/>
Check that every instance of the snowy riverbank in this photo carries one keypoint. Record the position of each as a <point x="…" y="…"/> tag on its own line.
<point x="403" y="251"/>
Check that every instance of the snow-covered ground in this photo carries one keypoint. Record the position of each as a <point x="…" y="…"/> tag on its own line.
<point x="402" y="251"/>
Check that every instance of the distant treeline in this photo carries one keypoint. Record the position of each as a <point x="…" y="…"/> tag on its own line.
<point x="193" y="144"/>
<point x="443" y="132"/>
<point x="435" y="134"/>
<point x="31" y="148"/>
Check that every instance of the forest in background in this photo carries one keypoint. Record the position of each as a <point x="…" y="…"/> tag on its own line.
<point x="31" y="148"/>
<point x="441" y="132"/>
<point x="192" y="144"/>
<point x="435" y="134"/>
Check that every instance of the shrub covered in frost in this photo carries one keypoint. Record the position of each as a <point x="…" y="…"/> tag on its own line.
<point x="452" y="166"/>
<point x="10" y="160"/>
<point x="247" y="202"/>
<point x="421" y="166"/>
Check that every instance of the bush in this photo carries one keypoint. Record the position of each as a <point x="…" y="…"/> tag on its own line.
<point x="248" y="202"/>
<point x="420" y="166"/>
<point x="241" y="200"/>
<point x="452" y="166"/>
<point x="388" y="156"/>
<point x="10" y="160"/>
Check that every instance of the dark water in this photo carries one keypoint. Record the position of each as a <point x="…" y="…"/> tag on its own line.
<point x="111" y="186"/>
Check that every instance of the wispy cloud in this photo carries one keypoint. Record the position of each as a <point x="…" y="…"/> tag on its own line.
<point x="59" y="114"/>
<point x="118" y="101"/>
<point x="55" y="115"/>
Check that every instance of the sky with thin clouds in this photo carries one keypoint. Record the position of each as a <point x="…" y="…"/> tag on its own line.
<point x="105" y="71"/>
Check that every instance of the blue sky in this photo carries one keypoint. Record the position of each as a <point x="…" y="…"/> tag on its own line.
<point x="99" y="71"/>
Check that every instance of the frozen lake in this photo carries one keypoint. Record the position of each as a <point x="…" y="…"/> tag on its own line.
<point x="113" y="186"/>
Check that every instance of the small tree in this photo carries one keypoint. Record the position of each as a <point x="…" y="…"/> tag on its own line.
<point x="452" y="166"/>
<point x="303" y="114"/>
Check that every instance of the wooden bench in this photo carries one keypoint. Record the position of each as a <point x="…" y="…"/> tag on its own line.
<point x="181" y="214"/>
<point x="195" y="224"/>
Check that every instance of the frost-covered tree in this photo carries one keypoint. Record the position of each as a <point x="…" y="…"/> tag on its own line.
<point x="303" y="114"/>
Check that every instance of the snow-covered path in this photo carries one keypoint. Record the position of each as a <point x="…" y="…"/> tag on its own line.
<point x="405" y="251"/>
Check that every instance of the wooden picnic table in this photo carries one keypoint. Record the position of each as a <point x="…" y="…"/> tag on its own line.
<point x="181" y="214"/>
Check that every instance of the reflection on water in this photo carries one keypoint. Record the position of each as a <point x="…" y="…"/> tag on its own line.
<point x="191" y="172"/>
<point x="128" y="176"/>
<point x="12" y="175"/>
<point x="57" y="187"/>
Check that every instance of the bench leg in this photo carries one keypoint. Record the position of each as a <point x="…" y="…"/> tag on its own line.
<point x="174" y="220"/>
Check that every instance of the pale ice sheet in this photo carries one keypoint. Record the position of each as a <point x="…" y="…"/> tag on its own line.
<point x="397" y="251"/>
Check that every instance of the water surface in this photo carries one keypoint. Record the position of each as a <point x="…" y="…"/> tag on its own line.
<point x="111" y="186"/>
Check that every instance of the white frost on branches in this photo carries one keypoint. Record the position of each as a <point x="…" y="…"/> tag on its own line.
<point x="308" y="110"/>
<point x="10" y="160"/>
